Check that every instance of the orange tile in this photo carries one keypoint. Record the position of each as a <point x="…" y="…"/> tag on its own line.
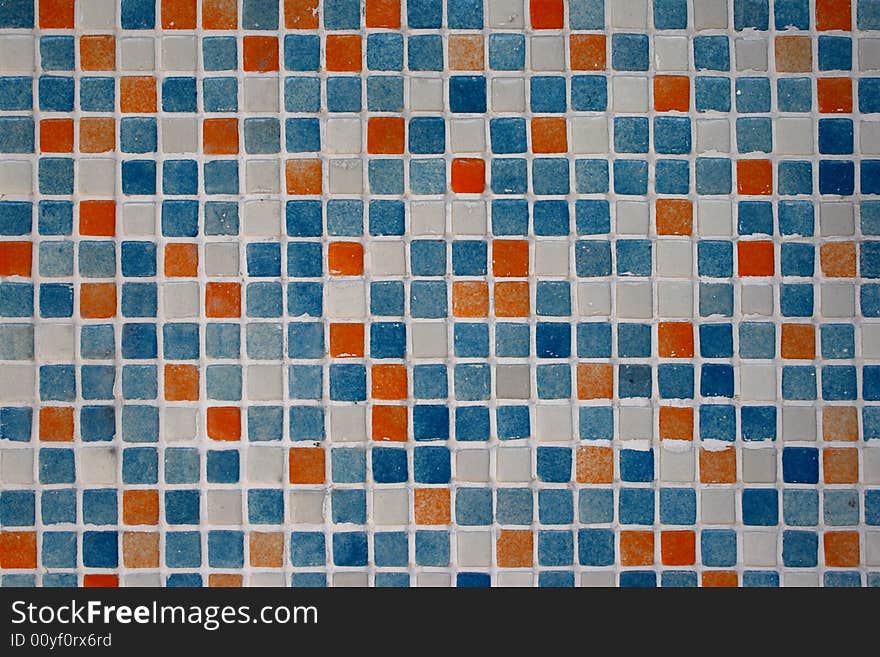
<point x="220" y="136"/>
<point x="260" y="54"/>
<point x="181" y="382"/>
<point x="636" y="548"/>
<point x="15" y="258"/>
<point x="678" y="548"/>
<point x="547" y="14"/>
<point x="754" y="258"/>
<point x="389" y="423"/>
<point x="345" y="258"/>
<point x="720" y="579"/>
<point x="304" y="177"/>
<point x="307" y="465"/>
<point x="343" y="52"/>
<point x="840" y="465"/>
<point x="470" y="299"/>
<point x="799" y="341"/>
<point x="56" y="135"/>
<point x="266" y="549"/>
<point x="840" y="423"/>
<point x="18" y="550"/>
<point x="549" y="135"/>
<point x="834" y="95"/>
<point x="99" y="581"/>
<point x="140" y="549"/>
<point x="382" y="13"/>
<point x="97" y="52"/>
<point x="512" y="299"/>
<point x="754" y="177"/>
<point x="838" y="259"/>
<point x="841" y="549"/>
<point x="225" y="581"/>
<point x="346" y="340"/>
<point x="97" y="134"/>
<point x="97" y="218"/>
<point x="221" y="14"/>
<point x="510" y="258"/>
<point x="181" y="259"/>
<point x="514" y="548"/>
<point x="675" y="339"/>
<point x="676" y="423"/>
<point x="468" y="175"/>
<point x="465" y="52"/>
<point x="595" y="381"/>
<point x="137" y="94"/>
<point x="673" y="216"/>
<point x="389" y="382"/>
<point x="794" y="54"/>
<point x="178" y="14"/>
<point x="587" y="52"/>
<point x="833" y="15"/>
<point x="594" y="465"/>
<point x="301" y="14"/>
<point x="223" y="299"/>
<point x="140" y="507"/>
<point x="385" y="135"/>
<point x="56" y="423"/>
<point x="718" y="467"/>
<point x="97" y="300"/>
<point x="431" y="506"/>
<point x="224" y="423"/>
<point x="56" y="14"/>
<point x="672" y="93"/>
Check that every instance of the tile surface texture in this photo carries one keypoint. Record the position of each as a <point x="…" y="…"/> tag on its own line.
<point x="440" y="292"/>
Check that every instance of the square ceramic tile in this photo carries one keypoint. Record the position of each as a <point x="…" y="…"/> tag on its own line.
<point x="439" y="293"/>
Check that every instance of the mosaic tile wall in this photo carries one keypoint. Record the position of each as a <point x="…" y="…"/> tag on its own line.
<point x="440" y="292"/>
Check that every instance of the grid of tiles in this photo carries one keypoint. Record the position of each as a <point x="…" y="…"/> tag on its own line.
<point x="440" y="292"/>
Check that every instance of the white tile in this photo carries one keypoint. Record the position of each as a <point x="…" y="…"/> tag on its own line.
<point x="671" y="53"/>
<point x="710" y="14"/>
<point x="594" y="299"/>
<point x="17" y="52"/>
<point x="344" y="136"/>
<point x="547" y="53"/>
<point x="759" y="466"/>
<point x="751" y="54"/>
<point x="634" y="300"/>
<point x="306" y="507"/>
<point x="96" y="14"/>
<point x="390" y="506"/>
<point x="629" y="93"/>
<point x="629" y="13"/>
<point x="505" y="14"/>
<point x="757" y="382"/>
<point x="794" y="136"/>
<point x="474" y="548"/>
<point x="468" y="135"/>
<point x="472" y="465"/>
<point x="513" y="464"/>
<point x="137" y="54"/>
<point x="553" y="423"/>
<point x="589" y="134"/>
<point x="387" y="258"/>
<point x="181" y="300"/>
<point x="180" y="53"/>
<point x="674" y="258"/>
<point x="508" y="95"/>
<point x="635" y="422"/>
<point x="180" y="135"/>
<point x="632" y="218"/>
<point x="426" y="94"/>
